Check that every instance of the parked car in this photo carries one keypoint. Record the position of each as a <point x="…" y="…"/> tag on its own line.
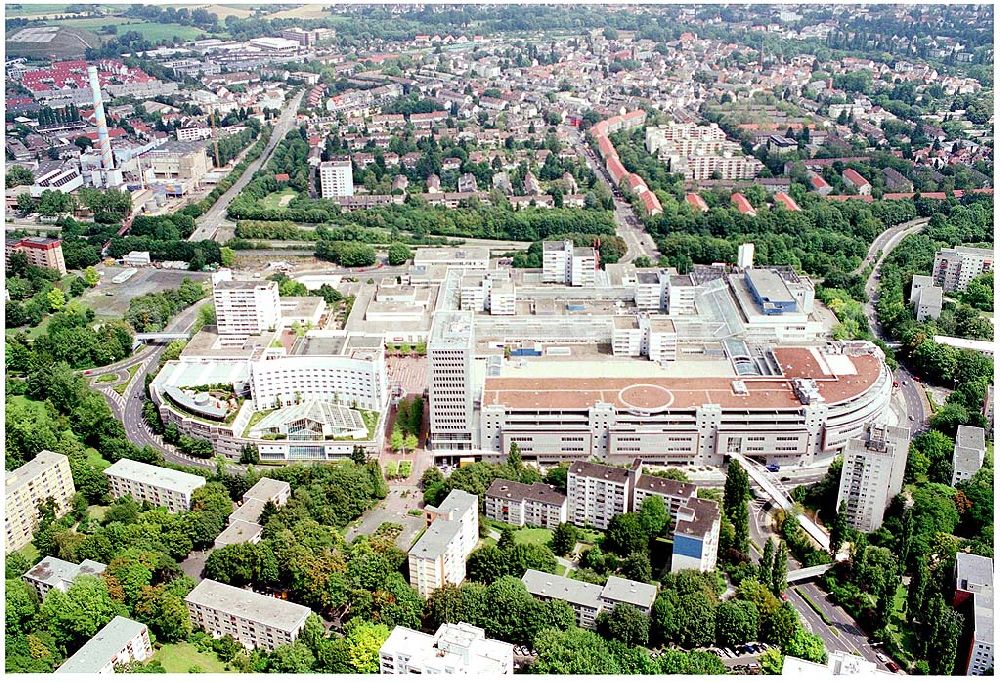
<point x="892" y="666"/>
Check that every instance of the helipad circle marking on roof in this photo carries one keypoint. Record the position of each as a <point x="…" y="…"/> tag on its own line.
<point x="651" y="391"/>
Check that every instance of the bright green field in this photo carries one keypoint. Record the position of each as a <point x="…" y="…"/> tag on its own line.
<point x="533" y="536"/>
<point x="154" y="32"/>
<point x="273" y="200"/>
<point x="90" y="23"/>
<point x="181" y="657"/>
<point x="22" y="10"/>
<point x="30" y="553"/>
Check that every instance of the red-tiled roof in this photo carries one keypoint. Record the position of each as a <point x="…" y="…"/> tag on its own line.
<point x="787" y="201"/>
<point x="696" y="202"/>
<point x="855" y="178"/>
<point x="743" y="205"/>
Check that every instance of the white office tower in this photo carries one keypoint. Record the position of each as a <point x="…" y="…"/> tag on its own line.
<point x="107" y="175"/>
<point x="455" y="649"/>
<point x="874" y="465"/>
<point x="336" y="179"/>
<point x="744" y="257"/>
<point x="450" y="352"/>
<point x="562" y="263"/>
<point x="244" y="307"/>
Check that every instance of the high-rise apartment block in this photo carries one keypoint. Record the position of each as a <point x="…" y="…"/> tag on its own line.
<point x="119" y="642"/>
<point x="872" y="475"/>
<point x="970" y="451"/>
<point x="974" y="599"/>
<point x="455" y="649"/>
<point x="44" y="252"/>
<point x="244" y="307"/>
<point x="563" y="263"/>
<point x="47" y="475"/>
<point x="257" y="621"/>
<point x="336" y="178"/>
<point x="450" y="352"/>
<point x="955" y="268"/>
<point x="438" y="557"/>
<point x="699" y="152"/>
<point x="522" y="504"/>
<point x="158" y="485"/>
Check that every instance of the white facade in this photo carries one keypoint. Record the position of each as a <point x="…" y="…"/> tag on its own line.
<point x="244" y="308"/>
<point x="744" y="256"/>
<point x="349" y="380"/>
<point x="874" y="465"/>
<point x="969" y="453"/>
<point x="47" y="475"/>
<point x="955" y="268"/>
<point x="450" y="351"/>
<point x="455" y="649"/>
<point x="158" y="485"/>
<point x="644" y="336"/>
<point x="438" y="557"/>
<point x="700" y="151"/>
<point x="119" y="642"/>
<point x="336" y="178"/>
<point x="520" y="504"/>
<point x="562" y="263"/>
<point x="257" y="621"/>
<point x="194" y="133"/>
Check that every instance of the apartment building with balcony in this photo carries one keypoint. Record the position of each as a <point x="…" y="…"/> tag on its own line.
<point x="157" y="485"/>
<point x="46" y="476"/>
<point x="257" y="621"/>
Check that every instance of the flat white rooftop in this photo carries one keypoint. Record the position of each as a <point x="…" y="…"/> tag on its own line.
<point x="160" y="477"/>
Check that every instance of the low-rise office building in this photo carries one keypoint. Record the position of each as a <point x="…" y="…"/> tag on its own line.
<point x="119" y="642"/>
<point x="255" y="620"/>
<point x="455" y="649"/>
<point x="54" y="573"/>
<point x="969" y="453"/>
<point x="521" y="504"/>
<point x="46" y="476"/>
<point x="438" y="557"/>
<point x="158" y="485"/>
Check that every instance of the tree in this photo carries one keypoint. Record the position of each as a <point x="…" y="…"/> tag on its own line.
<point x="838" y="530"/>
<point x="637" y="566"/>
<point x="736" y="622"/>
<point x="625" y="534"/>
<point x="399" y="253"/>
<point x="765" y="570"/>
<point x="572" y="652"/>
<point x="364" y="641"/>
<point x="737" y="489"/>
<point x="806" y="645"/>
<point x="779" y="579"/>
<point x="741" y="527"/>
<point x="625" y="623"/>
<point x="653" y="516"/>
<point x="359" y="455"/>
<point x="75" y="616"/>
<point x="18" y="176"/>
<point x="291" y="658"/>
<point x="56" y="298"/>
<point x="249" y="454"/>
<point x="564" y="539"/>
<point x="771" y="662"/>
<point x="697" y="627"/>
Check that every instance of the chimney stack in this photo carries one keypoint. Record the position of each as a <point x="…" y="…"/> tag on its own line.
<point x="107" y="161"/>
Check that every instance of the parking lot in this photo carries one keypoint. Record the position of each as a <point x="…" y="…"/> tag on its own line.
<point x="741" y="658"/>
<point x="111" y="300"/>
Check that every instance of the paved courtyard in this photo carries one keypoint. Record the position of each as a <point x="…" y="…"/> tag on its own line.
<point x="393" y="509"/>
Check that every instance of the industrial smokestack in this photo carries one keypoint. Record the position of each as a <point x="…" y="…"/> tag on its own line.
<point x="107" y="161"/>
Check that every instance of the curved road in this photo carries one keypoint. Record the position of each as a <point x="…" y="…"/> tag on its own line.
<point x="917" y="407"/>
<point x="127" y="408"/>
<point x="209" y="223"/>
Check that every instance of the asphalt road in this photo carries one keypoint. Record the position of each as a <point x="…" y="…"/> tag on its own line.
<point x="911" y="391"/>
<point x="128" y="408"/>
<point x="638" y="241"/>
<point x="843" y="633"/>
<point x="209" y="223"/>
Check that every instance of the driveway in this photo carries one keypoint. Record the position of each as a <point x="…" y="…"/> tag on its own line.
<point x="393" y="509"/>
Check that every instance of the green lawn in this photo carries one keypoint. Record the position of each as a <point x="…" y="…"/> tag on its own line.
<point x="35" y="332"/>
<point x="30" y="553"/>
<point x="533" y="536"/>
<point x="132" y="370"/>
<point x="273" y="200"/>
<point x="21" y="10"/>
<point x="91" y="23"/>
<point x="903" y="642"/>
<point x="107" y="378"/>
<point x="97" y="512"/>
<point x="182" y="656"/>
<point x="94" y="458"/>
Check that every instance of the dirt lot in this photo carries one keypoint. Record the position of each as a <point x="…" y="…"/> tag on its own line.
<point x="111" y="300"/>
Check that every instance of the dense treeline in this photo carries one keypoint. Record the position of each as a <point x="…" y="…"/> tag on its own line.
<point x="151" y="312"/>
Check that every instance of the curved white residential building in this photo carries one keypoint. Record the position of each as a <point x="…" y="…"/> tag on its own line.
<point x="351" y="379"/>
<point x="809" y="402"/>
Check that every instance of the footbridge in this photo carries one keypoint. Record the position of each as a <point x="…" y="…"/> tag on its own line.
<point x="774" y="491"/>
